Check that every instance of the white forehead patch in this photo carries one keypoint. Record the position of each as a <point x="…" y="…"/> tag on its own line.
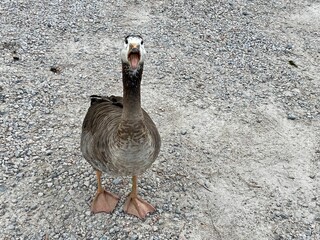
<point x="134" y="39"/>
<point x="125" y="50"/>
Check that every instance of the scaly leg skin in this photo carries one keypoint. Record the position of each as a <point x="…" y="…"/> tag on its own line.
<point x="104" y="201"/>
<point x="135" y="205"/>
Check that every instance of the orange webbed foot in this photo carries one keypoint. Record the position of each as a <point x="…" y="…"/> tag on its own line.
<point x="104" y="201"/>
<point x="138" y="207"/>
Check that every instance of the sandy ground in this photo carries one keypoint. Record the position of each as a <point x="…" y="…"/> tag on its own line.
<point x="233" y="87"/>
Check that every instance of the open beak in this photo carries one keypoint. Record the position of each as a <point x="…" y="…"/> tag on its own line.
<point x="134" y="56"/>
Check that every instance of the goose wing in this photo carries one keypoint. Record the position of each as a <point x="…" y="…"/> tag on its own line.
<point x="100" y="122"/>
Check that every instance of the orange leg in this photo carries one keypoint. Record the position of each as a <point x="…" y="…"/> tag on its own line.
<point x="135" y="205"/>
<point x="104" y="201"/>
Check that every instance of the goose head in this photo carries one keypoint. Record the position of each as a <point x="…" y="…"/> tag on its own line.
<point x="133" y="52"/>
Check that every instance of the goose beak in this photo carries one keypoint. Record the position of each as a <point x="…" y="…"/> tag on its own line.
<point x="134" y="56"/>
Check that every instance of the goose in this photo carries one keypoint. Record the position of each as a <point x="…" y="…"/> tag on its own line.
<point x="119" y="137"/>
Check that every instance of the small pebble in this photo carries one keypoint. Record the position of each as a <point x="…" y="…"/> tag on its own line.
<point x="117" y="181"/>
<point x="134" y="237"/>
<point x="49" y="152"/>
<point x="11" y="227"/>
<point x="183" y="132"/>
<point x="291" y="117"/>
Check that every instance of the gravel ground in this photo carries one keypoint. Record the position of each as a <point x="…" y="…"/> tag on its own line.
<point x="232" y="85"/>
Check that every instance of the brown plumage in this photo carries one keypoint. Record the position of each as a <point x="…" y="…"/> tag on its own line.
<point x="118" y="136"/>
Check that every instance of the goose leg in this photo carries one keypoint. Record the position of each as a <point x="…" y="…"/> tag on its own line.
<point x="135" y="205"/>
<point x="104" y="201"/>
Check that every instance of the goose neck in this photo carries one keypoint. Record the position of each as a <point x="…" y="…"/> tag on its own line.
<point x="131" y="92"/>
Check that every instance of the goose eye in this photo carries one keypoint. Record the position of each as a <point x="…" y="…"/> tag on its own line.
<point x="126" y="41"/>
<point x="141" y="42"/>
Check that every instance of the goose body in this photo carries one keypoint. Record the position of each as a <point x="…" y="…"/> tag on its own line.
<point x="115" y="145"/>
<point x="118" y="136"/>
